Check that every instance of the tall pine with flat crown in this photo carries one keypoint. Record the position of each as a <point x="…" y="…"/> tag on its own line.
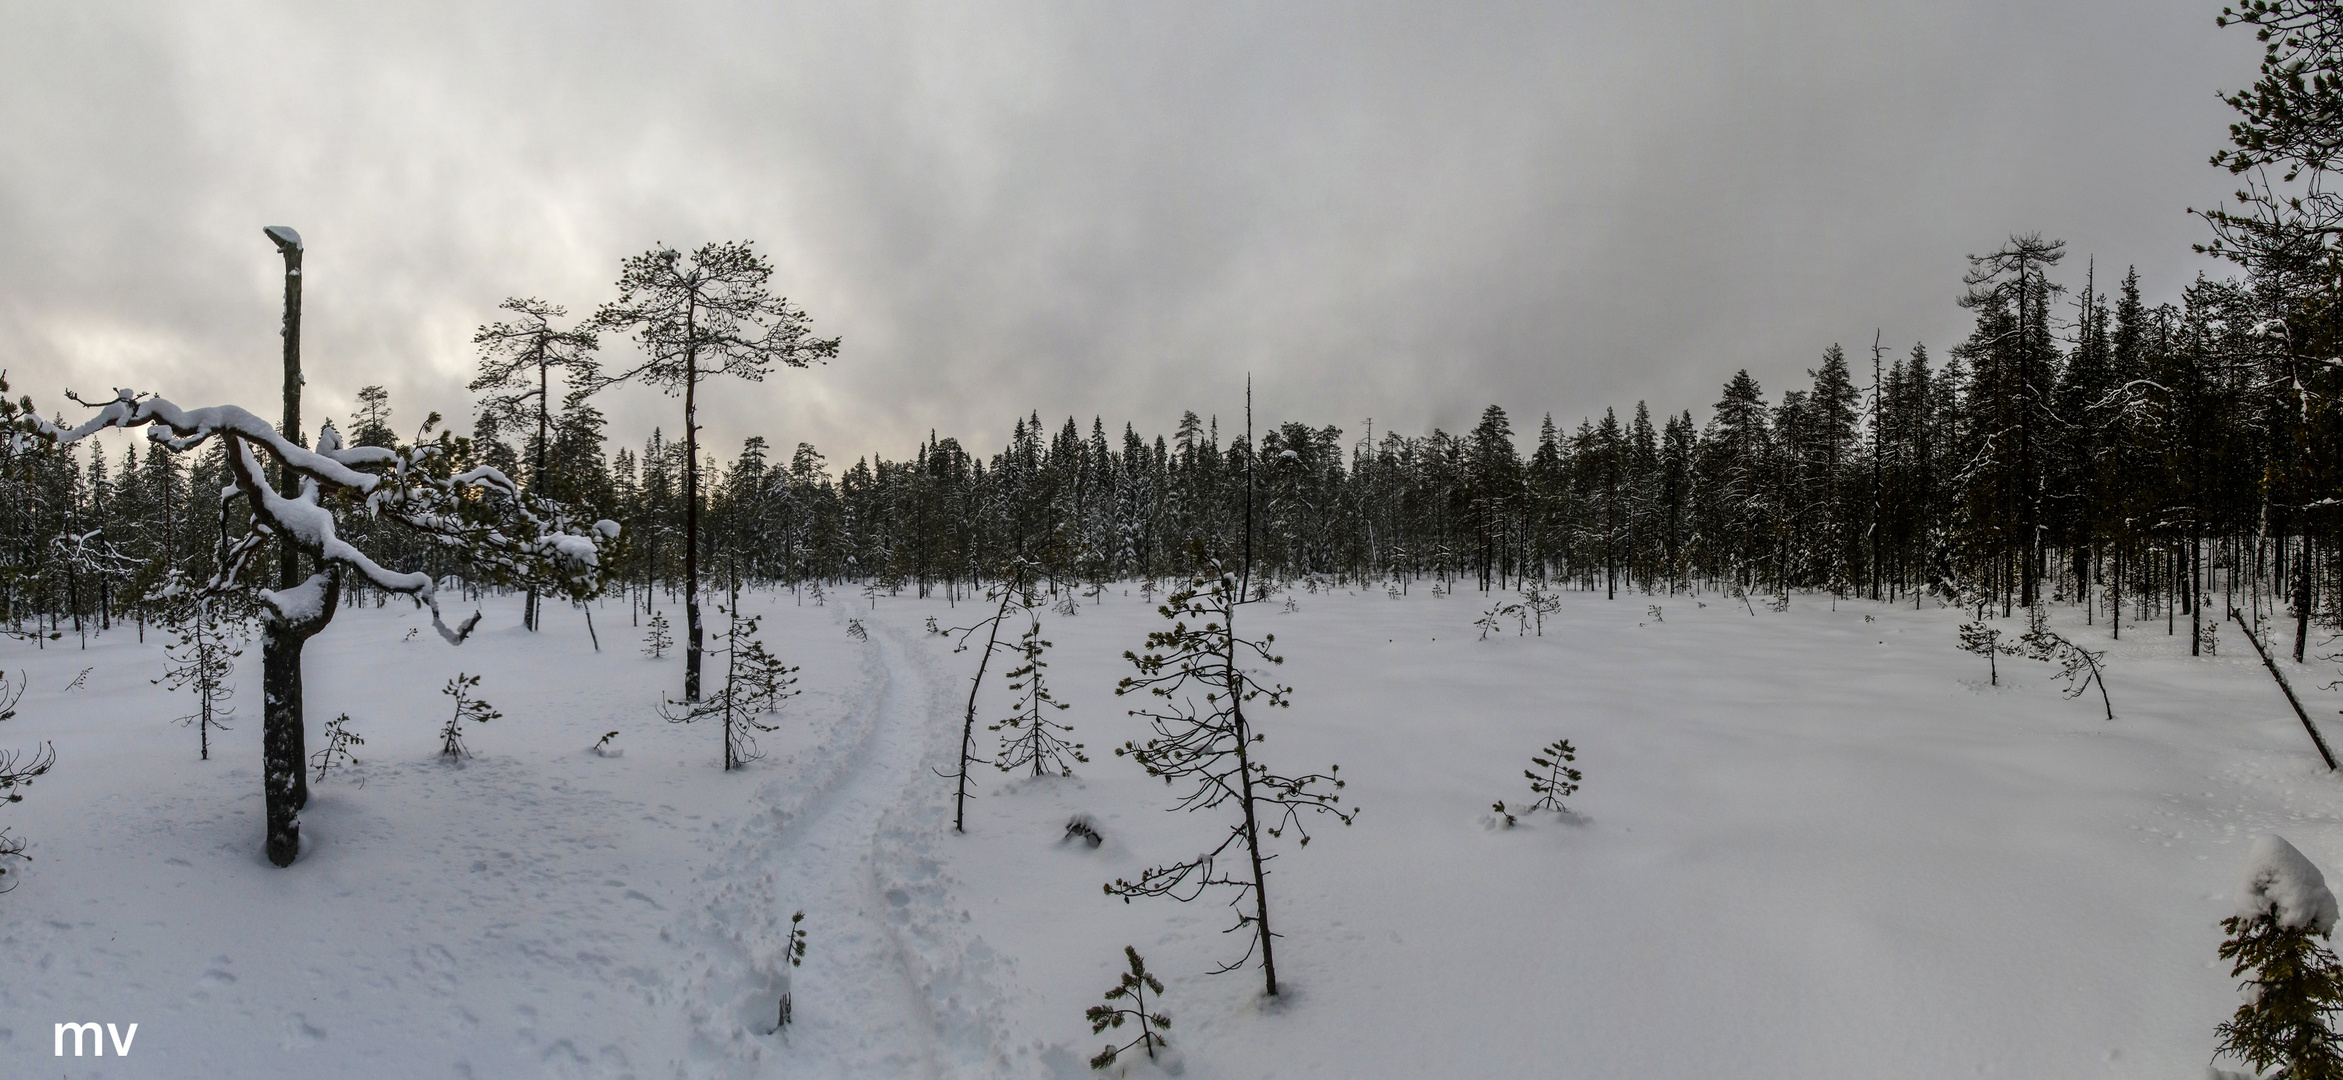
<point x="697" y="316"/>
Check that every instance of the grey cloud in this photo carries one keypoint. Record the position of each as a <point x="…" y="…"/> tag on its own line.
<point x="1397" y="211"/>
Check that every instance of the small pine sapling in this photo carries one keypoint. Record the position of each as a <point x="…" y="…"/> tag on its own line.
<point x="755" y="683"/>
<point x="1653" y="610"/>
<point x="1985" y="640"/>
<point x="855" y="630"/>
<point x="793" y="955"/>
<point x="2077" y="665"/>
<point x="603" y="748"/>
<point x="2283" y="909"/>
<point x="660" y="639"/>
<point x="1036" y="740"/>
<point x="201" y="660"/>
<point x="338" y="741"/>
<point x="17" y="770"/>
<point x="1492" y="620"/>
<point x="78" y="681"/>
<point x="1559" y="780"/>
<point x="1133" y="987"/>
<point x="451" y="737"/>
<point x="1537" y="603"/>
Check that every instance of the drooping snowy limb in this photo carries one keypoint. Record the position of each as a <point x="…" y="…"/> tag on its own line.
<point x="530" y="541"/>
<point x="1210" y="745"/>
<point x="534" y="546"/>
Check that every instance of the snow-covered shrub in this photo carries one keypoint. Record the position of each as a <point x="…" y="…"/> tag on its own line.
<point x="17" y="770"/>
<point x="451" y="737"/>
<point x="1082" y="827"/>
<point x="2283" y="909"/>
<point x="855" y="630"/>
<point x="602" y="747"/>
<point x="1133" y="986"/>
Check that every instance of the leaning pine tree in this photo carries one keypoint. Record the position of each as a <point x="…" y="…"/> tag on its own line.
<point x="1203" y="735"/>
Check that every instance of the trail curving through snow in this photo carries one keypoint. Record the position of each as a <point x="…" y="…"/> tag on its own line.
<point x="847" y="839"/>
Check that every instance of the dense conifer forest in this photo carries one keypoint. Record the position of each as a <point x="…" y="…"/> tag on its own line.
<point x="2079" y="444"/>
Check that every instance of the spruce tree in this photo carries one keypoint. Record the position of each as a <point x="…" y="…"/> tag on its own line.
<point x="2283" y="911"/>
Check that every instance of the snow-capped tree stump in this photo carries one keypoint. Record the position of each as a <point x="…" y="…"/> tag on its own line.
<point x="505" y="534"/>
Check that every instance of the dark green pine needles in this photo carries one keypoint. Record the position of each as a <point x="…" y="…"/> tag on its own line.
<point x="1134" y="987"/>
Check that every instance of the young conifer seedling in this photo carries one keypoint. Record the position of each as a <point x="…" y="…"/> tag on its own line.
<point x="660" y="639"/>
<point x="1133" y="987"/>
<point x="338" y="741"/>
<point x="1558" y="780"/>
<point x="792" y="951"/>
<point x="451" y="737"/>
<point x="1034" y="739"/>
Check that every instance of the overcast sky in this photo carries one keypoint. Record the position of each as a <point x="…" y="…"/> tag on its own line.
<point x="1397" y="212"/>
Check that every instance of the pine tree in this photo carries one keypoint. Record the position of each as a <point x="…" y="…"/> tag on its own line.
<point x="467" y="707"/>
<point x="1037" y="740"/>
<point x="1213" y="746"/>
<point x="1133" y="986"/>
<point x="697" y="317"/>
<point x="659" y="640"/>
<point x="755" y="683"/>
<point x="1557" y="780"/>
<point x="201" y="660"/>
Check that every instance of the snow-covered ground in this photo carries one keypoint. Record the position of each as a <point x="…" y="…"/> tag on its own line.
<point x="1814" y="844"/>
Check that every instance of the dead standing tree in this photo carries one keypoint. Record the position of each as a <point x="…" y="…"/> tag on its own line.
<point x="481" y="515"/>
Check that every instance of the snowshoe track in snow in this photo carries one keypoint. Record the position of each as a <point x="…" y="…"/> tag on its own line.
<point x="886" y="988"/>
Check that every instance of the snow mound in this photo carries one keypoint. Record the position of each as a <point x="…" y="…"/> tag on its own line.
<point x="2280" y="881"/>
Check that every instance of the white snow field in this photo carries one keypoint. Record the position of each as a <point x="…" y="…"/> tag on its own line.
<point x="1814" y="844"/>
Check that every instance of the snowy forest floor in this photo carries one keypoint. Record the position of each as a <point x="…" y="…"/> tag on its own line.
<point x="1812" y="843"/>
